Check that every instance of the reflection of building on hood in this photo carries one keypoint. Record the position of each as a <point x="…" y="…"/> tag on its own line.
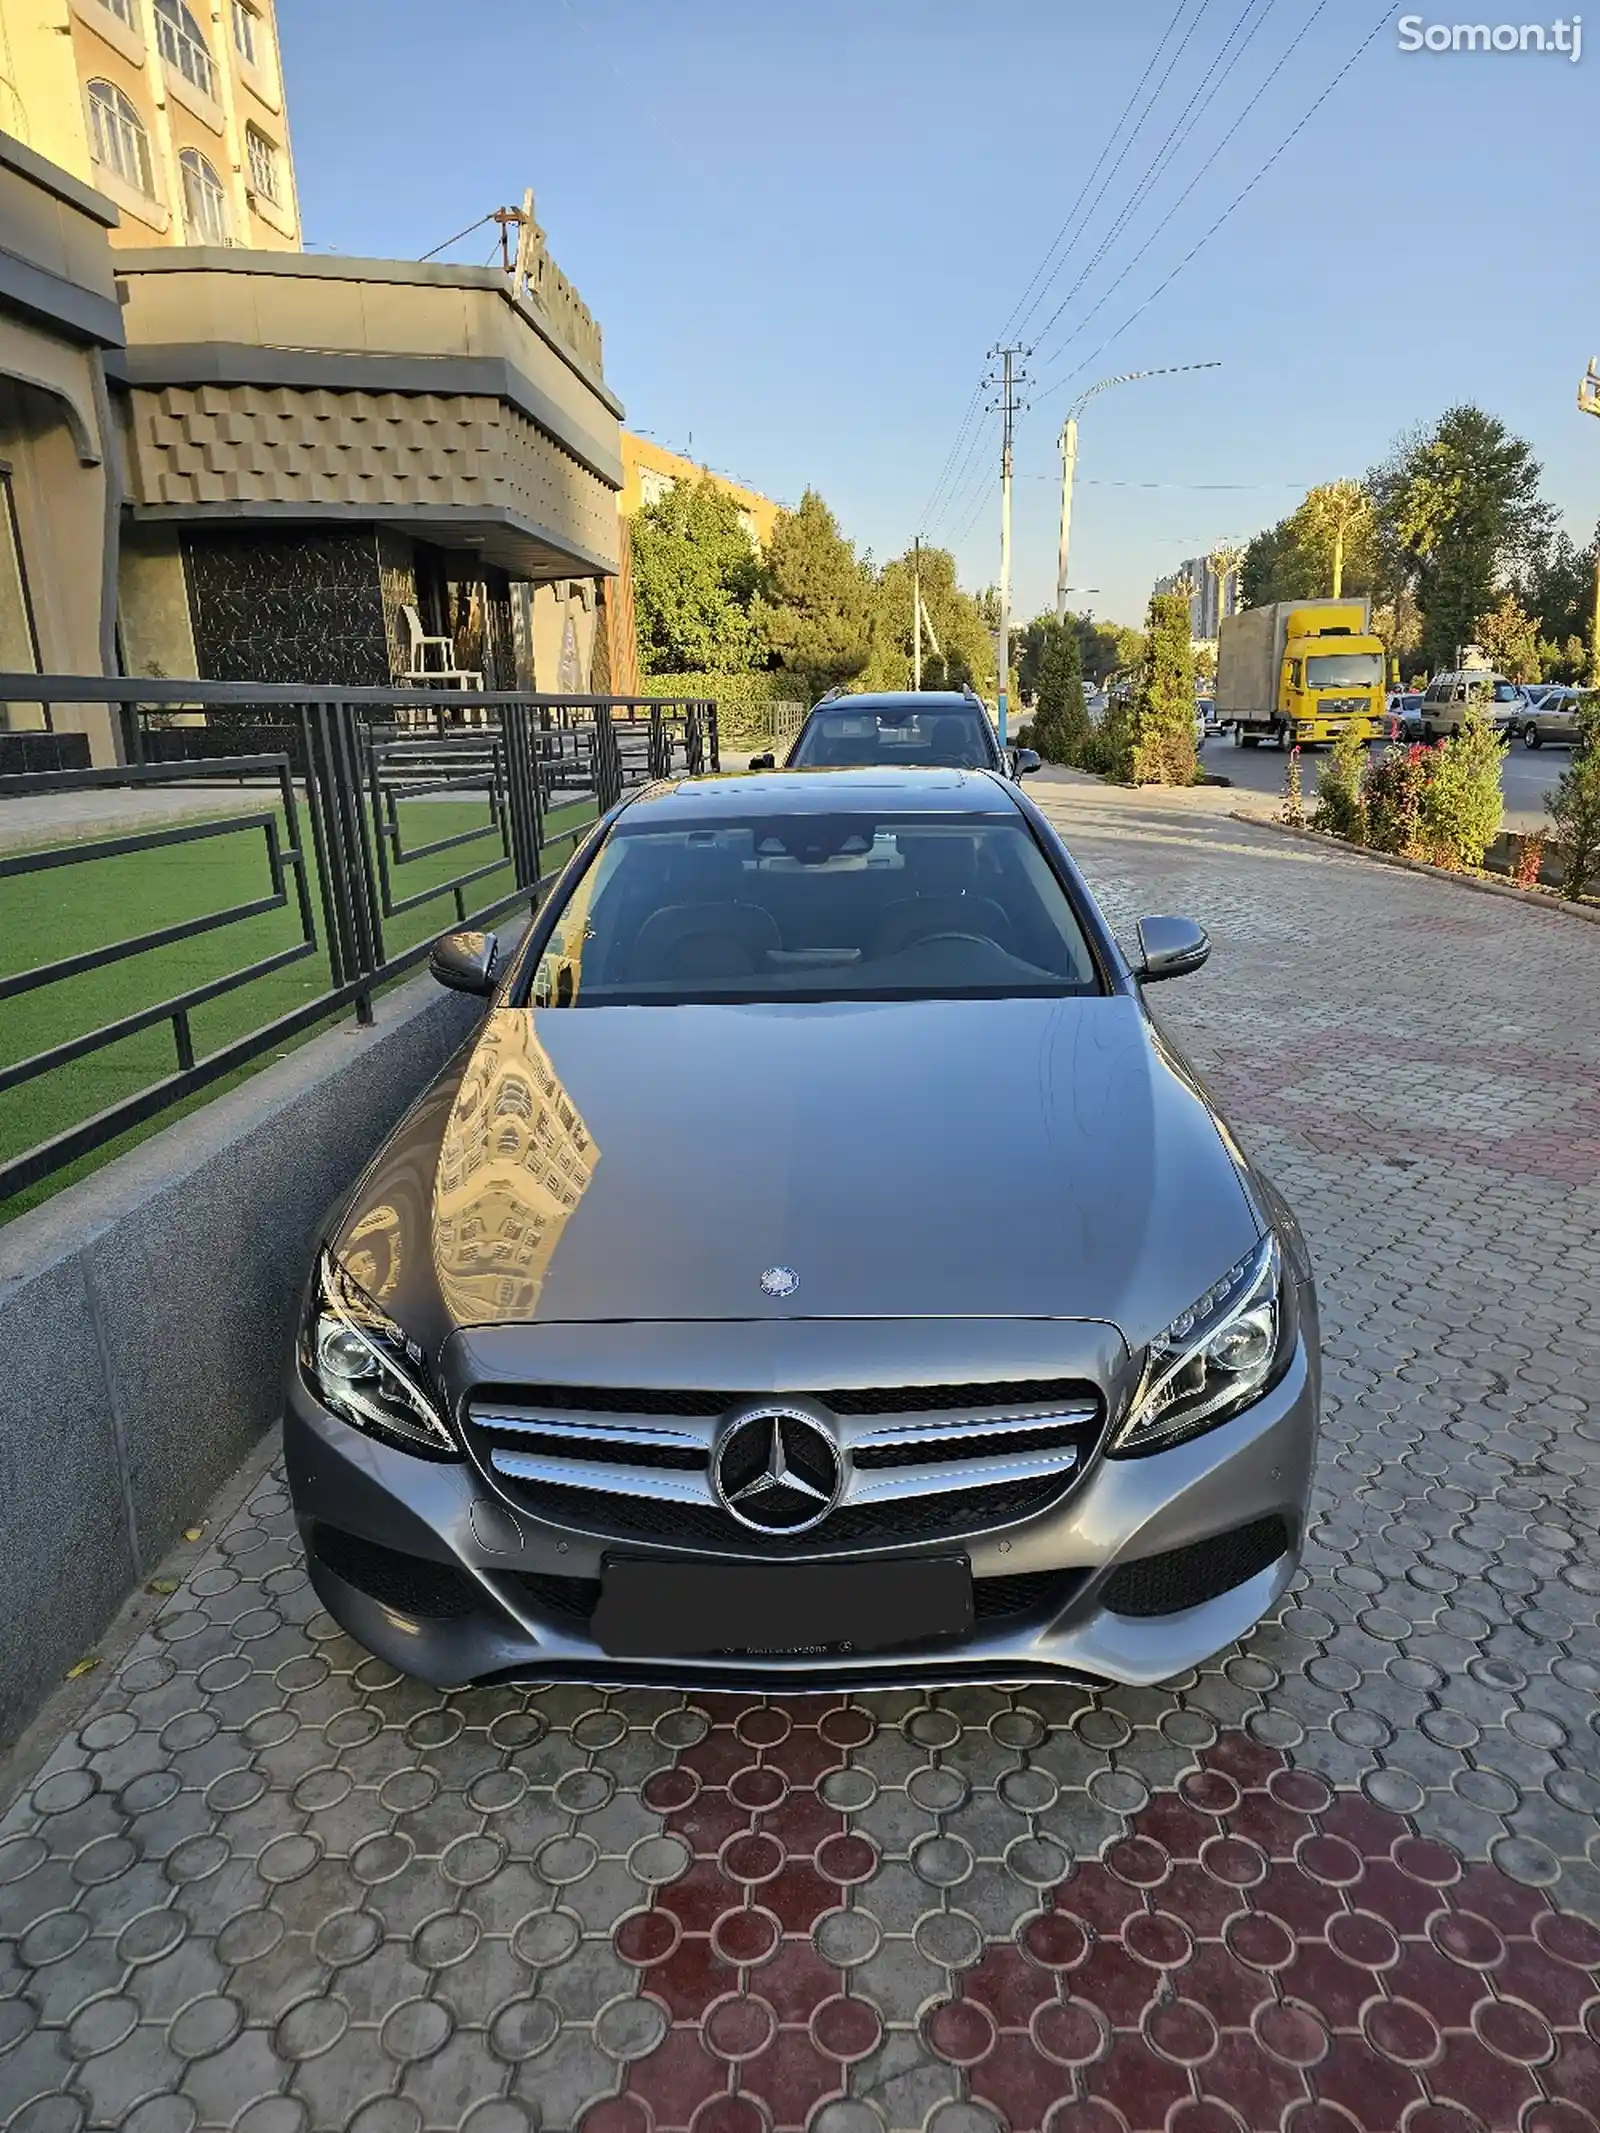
<point x="513" y="1164"/>
<point x="371" y="1251"/>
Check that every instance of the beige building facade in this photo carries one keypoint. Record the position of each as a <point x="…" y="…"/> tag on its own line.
<point x="173" y="109"/>
<point x="60" y="492"/>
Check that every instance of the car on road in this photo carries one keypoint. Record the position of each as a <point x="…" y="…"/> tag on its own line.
<point x="1552" y="716"/>
<point x="1445" y="700"/>
<point x="593" y="1383"/>
<point x="923" y="729"/>
<point x="1404" y="714"/>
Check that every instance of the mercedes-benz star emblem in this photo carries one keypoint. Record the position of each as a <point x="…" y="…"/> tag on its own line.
<point x="779" y="1281"/>
<point x="777" y="1471"/>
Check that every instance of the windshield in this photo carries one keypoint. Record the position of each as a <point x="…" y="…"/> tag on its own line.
<point x="844" y="738"/>
<point x="1344" y="670"/>
<point x="815" y="907"/>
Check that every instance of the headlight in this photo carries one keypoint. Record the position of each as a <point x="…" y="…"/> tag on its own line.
<point x="362" y="1366"/>
<point x="1213" y="1359"/>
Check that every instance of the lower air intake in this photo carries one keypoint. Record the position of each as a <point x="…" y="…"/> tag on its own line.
<point x="410" y="1584"/>
<point x="1187" y="1577"/>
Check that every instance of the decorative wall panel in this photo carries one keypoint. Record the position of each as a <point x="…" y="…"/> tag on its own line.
<point x="305" y="605"/>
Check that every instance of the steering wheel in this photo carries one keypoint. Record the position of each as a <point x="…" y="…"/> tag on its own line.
<point x="929" y="940"/>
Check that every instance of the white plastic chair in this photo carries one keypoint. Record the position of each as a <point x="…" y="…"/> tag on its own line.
<point x="422" y="645"/>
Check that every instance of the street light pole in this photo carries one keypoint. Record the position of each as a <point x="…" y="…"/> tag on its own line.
<point x="1069" y="459"/>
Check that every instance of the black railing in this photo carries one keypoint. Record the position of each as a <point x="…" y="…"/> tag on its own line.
<point x="355" y="880"/>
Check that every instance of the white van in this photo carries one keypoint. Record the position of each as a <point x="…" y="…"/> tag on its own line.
<point x="1445" y="700"/>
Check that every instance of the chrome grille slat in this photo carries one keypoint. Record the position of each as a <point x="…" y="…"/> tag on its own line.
<point x="879" y="1485"/>
<point x="664" y="1483"/>
<point x="536" y="1423"/>
<point x="919" y="1429"/>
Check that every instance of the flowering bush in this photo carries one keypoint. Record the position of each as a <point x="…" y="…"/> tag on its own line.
<point x="1527" y="859"/>
<point x="1392" y="790"/>
<point x="1294" y="806"/>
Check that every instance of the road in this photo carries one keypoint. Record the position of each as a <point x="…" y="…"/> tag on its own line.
<point x="1528" y="775"/>
<point x="1346" y="1876"/>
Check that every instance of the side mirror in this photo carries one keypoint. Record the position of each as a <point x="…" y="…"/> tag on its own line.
<point x="1171" y="948"/>
<point x="763" y="762"/>
<point x="1027" y="762"/>
<point x="466" y="962"/>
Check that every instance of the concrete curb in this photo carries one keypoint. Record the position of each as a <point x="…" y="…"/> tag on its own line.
<point x="1590" y="913"/>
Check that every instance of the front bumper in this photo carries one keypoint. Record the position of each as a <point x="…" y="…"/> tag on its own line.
<point x="1255" y="1468"/>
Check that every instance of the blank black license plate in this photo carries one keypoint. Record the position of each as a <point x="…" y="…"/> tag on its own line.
<point x="650" y="1609"/>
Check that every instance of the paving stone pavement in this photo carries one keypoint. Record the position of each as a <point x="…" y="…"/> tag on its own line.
<point x="1345" y="1879"/>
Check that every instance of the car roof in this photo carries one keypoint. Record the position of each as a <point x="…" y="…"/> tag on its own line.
<point x="943" y="701"/>
<point x="890" y="789"/>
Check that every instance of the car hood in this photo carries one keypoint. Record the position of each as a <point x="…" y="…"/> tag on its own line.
<point x="1033" y="1158"/>
<point x="1046" y="1159"/>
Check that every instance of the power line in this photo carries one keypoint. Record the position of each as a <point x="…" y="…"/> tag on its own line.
<point x="1175" y="140"/>
<point x="951" y="484"/>
<point x="1237" y="201"/>
<point x="971" y="409"/>
<point x="1017" y="312"/>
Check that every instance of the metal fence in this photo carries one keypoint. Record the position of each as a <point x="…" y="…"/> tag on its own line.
<point x="356" y="869"/>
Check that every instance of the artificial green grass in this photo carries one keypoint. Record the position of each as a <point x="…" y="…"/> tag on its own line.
<point x="61" y="911"/>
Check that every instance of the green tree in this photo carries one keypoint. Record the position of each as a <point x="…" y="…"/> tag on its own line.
<point x="1061" y="722"/>
<point x="1510" y="638"/>
<point x="1335" y="528"/>
<point x="1575" y="805"/>
<point x="1329" y="539"/>
<point x="1162" y="751"/>
<point x="1339" y="807"/>
<point x="1275" y="568"/>
<point x="1458" y="513"/>
<point x="954" y="624"/>
<point x="694" y="572"/>
<point x="814" y="606"/>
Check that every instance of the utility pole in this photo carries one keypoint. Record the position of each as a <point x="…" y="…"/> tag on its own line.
<point x="916" y="613"/>
<point x="1008" y="381"/>
<point x="1589" y="401"/>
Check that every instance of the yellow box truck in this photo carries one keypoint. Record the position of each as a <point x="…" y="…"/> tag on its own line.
<point x="1299" y="671"/>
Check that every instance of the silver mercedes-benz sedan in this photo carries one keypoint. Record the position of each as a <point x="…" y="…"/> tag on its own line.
<point x="818" y="1268"/>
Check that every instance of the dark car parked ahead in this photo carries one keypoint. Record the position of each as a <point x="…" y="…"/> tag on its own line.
<point x="928" y="730"/>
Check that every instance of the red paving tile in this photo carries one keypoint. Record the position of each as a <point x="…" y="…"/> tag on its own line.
<point x="1257" y="1954"/>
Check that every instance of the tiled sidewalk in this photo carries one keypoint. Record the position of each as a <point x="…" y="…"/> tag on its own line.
<point x="1344" y="1880"/>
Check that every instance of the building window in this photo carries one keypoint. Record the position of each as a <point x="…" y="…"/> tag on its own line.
<point x="205" y="203"/>
<point x="19" y="645"/>
<point x="118" y="139"/>
<point x="244" y="32"/>
<point x="263" y="163"/>
<point x="183" y="45"/>
<point x="123" y="10"/>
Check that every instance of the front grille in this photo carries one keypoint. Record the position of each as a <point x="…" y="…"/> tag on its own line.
<point x="410" y="1584"/>
<point x="1186" y="1577"/>
<point x="904" y="1519"/>
<point x="920" y="1462"/>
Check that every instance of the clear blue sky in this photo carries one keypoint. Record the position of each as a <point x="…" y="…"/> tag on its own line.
<point x="801" y="223"/>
